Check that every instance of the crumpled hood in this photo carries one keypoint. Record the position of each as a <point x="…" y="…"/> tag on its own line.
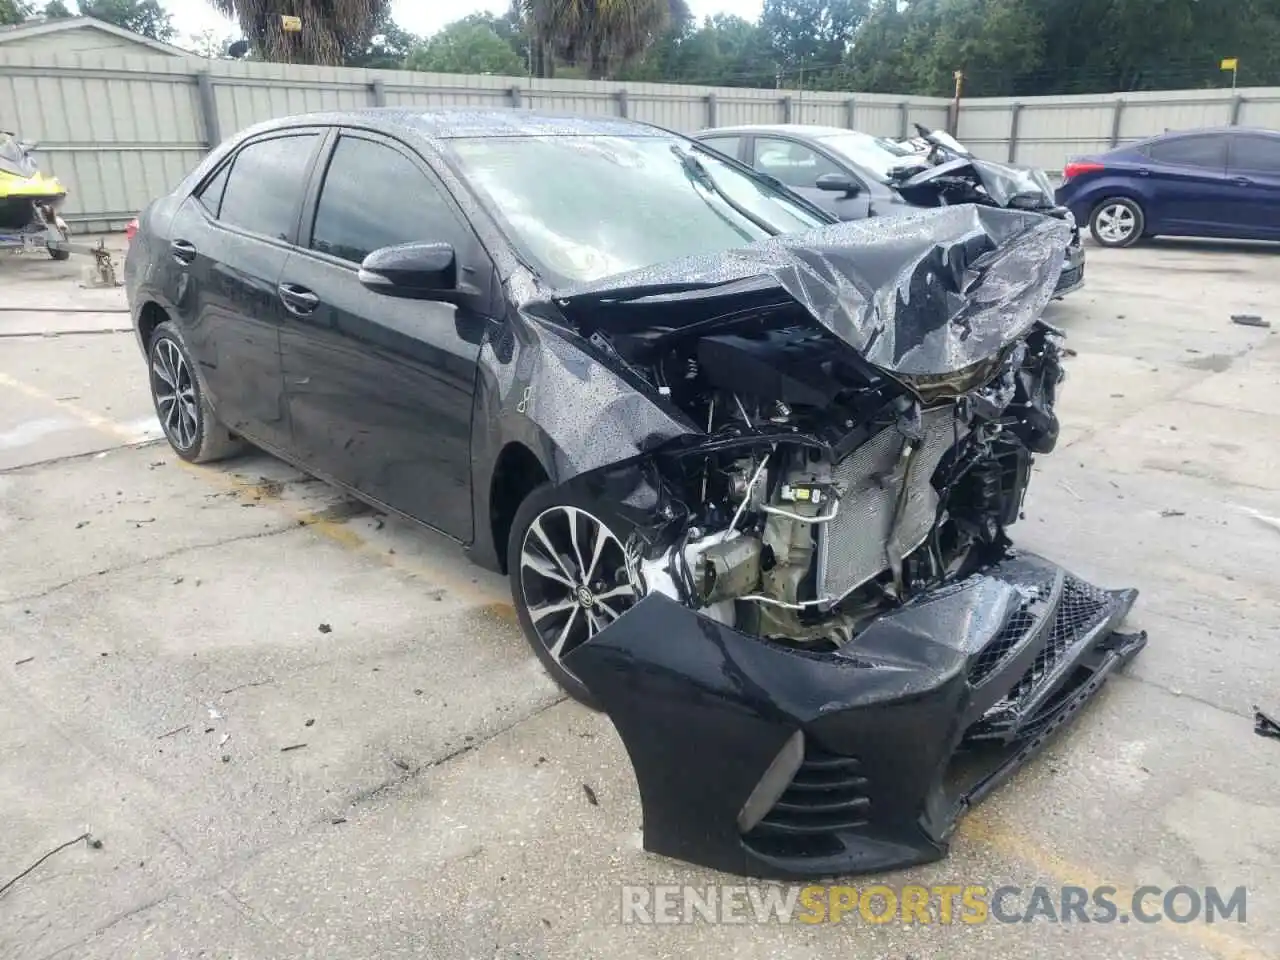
<point x="927" y="294"/>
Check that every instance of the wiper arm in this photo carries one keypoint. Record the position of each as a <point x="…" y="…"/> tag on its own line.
<point x="693" y="166"/>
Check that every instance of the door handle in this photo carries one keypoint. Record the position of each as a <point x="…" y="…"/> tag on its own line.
<point x="1242" y="181"/>
<point x="297" y="300"/>
<point x="183" y="251"/>
<point x="1144" y="172"/>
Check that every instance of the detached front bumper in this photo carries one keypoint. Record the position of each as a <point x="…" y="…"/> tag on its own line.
<point x="1072" y="276"/>
<point x="764" y="761"/>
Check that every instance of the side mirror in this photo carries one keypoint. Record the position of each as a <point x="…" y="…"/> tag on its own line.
<point x="415" y="271"/>
<point x="839" y="183"/>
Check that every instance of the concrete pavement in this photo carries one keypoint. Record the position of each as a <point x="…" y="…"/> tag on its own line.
<point x="168" y="632"/>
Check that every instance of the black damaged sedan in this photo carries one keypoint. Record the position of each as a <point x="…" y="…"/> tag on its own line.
<point x="750" y="472"/>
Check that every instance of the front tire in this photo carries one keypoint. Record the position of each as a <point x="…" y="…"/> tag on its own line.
<point x="188" y="421"/>
<point x="569" y="578"/>
<point x="1117" y="222"/>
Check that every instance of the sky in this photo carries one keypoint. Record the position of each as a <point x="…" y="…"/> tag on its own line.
<point x="422" y="17"/>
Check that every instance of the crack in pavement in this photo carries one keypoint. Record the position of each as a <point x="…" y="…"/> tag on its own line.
<point x="70" y="457"/>
<point x="390" y="784"/>
<point x="55" y="334"/>
<point x="1183" y="695"/>
<point x="143" y="561"/>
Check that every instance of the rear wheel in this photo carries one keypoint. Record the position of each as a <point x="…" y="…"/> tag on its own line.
<point x="1117" y="222"/>
<point x="569" y="579"/>
<point x="184" y="412"/>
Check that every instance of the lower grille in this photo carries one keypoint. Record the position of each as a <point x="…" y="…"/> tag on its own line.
<point x="828" y="794"/>
<point x="1081" y="609"/>
<point x="856" y="544"/>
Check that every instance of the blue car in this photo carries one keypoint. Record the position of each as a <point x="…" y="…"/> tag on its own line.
<point x="1202" y="183"/>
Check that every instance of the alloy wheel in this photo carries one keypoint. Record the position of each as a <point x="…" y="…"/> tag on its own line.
<point x="175" y="394"/>
<point x="573" y="574"/>
<point x="1115" y="223"/>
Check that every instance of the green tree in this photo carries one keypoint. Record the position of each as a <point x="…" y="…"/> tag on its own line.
<point x="13" y="11"/>
<point x="602" y="35"/>
<point x="813" y="32"/>
<point x="466" y="47"/>
<point x="56" y="10"/>
<point x="333" y="31"/>
<point x="388" y="47"/>
<point x="144" y="17"/>
<point x="208" y="43"/>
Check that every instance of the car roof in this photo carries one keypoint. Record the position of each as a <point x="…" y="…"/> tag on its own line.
<point x="1195" y="131"/>
<point x="446" y="123"/>
<point x="794" y="129"/>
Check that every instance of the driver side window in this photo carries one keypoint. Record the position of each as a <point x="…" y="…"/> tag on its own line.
<point x="792" y="163"/>
<point x="374" y="196"/>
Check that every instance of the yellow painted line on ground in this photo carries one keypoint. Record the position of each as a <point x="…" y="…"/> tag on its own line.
<point x="88" y="417"/>
<point x="983" y="827"/>
<point x="338" y="532"/>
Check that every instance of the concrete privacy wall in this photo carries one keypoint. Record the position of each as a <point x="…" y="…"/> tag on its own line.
<point x="121" y="130"/>
<point x="118" y="131"/>
<point x="1046" y="131"/>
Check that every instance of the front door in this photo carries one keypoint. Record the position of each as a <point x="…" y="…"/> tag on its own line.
<point x="1253" y="167"/>
<point x="380" y="389"/>
<point x="1189" y="190"/>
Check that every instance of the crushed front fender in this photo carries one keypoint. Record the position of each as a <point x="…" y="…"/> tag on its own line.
<point x="767" y="761"/>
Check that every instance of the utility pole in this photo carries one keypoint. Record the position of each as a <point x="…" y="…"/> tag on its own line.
<point x="955" y="104"/>
<point x="800" y="101"/>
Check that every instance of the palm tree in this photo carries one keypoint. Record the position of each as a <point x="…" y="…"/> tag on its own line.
<point x="332" y="30"/>
<point x="601" y="34"/>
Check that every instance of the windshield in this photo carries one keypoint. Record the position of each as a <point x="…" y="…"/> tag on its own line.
<point x="871" y="153"/>
<point x="586" y="207"/>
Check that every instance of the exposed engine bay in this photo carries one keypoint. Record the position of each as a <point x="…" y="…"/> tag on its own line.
<point x="834" y="491"/>
<point x="813" y="447"/>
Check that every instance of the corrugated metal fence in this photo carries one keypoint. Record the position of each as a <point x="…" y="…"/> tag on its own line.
<point x="120" y="130"/>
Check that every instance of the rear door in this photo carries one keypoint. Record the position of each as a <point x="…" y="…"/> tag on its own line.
<point x="798" y="166"/>
<point x="1253" y="165"/>
<point x="1189" y="189"/>
<point x="229" y="243"/>
<point x="380" y="389"/>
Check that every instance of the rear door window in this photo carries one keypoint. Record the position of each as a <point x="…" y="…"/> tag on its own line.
<point x="1209" y="150"/>
<point x="1254" y="154"/>
<point x="729" y="146"/>
<point x="374" y="196"/>
<point x="265" y="187"/>
<point x="793" y="163"/>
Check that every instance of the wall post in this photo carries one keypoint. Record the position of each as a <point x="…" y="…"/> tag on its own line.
<point x="712" y="111"/>
<point x="514" y="93"/>
<point x="624" y="109"/>
<point x="1115" y="122"/>
<point x="904" y="119"/>
<point x="1236" y="104"/>
<point x="1014" y="113"/>
<point x="378" y="93"/>
<point x="788" y="109"/>
<point x="851" y="113"/>
<point x="208" y="109"/>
